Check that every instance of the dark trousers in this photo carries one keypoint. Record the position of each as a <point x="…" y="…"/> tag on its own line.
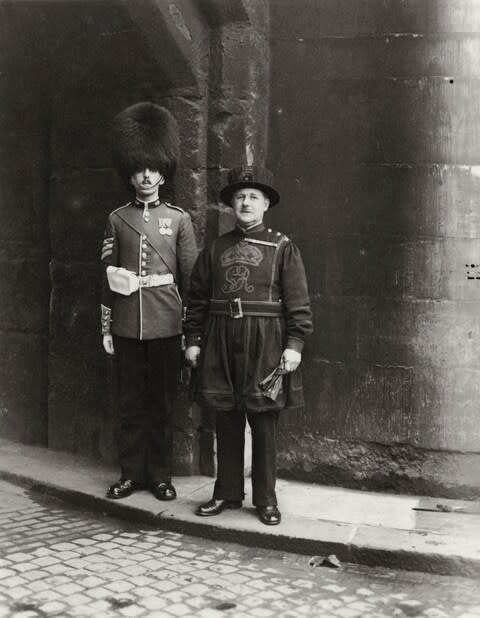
<point x="230" y="456"/>
<point x="147" y="373"/>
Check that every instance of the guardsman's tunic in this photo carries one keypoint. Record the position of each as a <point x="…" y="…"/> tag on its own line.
<point x="159" y="241"/>
<point x="155" y="244"/>
<point x="248" y="302"/>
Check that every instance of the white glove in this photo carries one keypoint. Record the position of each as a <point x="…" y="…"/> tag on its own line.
<point x="290" y="360"/>
<point x="108" y="344"/>
<point x="191" y="355"/>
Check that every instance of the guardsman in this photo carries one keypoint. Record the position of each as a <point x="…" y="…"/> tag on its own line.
<point x="148" y="252"/>
<point x="247" y="318"/>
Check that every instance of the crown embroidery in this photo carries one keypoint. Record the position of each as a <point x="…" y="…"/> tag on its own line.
<point x="241" y="253"/>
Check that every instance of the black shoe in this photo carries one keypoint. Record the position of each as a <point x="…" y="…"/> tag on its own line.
<point x="122" y="489"/>
<point x="215" y="507"/>
<point x="269" y="515"/>
<point x="163" y="491"/>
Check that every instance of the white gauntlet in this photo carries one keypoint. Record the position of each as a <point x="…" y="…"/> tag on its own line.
<point x="106" y="320"/>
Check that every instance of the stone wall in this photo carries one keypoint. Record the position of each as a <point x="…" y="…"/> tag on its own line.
<point x="24" y="242"/>
<point x="374" y="136"/>
<point x="366" y="112"/>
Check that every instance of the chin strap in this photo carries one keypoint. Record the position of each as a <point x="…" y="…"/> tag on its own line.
<point x="146" y="213"/>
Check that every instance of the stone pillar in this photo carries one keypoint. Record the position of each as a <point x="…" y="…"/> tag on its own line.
<point x="237" y="121"/>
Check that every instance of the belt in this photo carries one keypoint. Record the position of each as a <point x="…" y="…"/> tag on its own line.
<point x="153" y="281"/>
<point x="237" y="308"/>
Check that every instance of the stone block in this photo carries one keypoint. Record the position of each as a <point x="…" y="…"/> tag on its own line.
<point x="391" y="268"/>
<point x="411" y="201"/>
<point x="359" y="401"/>
<point x="22" y="216"/>
<point x="379" y="57"/>
<point x="190" y="114"/>
<point x="335" y="328"/>
<point x="239" y="76"/>
<point x="24" y="383"/>
<point x="186" y="452"/>
<point x="227" y="137"/>
<point x="457" y="16"/>
<point x="82" y="145"/>
<point x="445" y="411"/>
<point x="236" y="57"/>
<point x="25" y="293"/>
<point x="92" y="58"/>
<point x="377" y="202"/>
<point x="427" y="269"/>
<point x="316" y="18"/>
<point x="418" y="332"/>
<point x="182" y="56"/>
<point x="218" y="12"/>
<point x="377" y="467"/>
<point x="392" y="121"/>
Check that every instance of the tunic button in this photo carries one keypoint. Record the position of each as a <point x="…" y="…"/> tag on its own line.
<point x="144" y="255"/>
<point x="269" y="229"/>
<point x="144" y="263"/>
<point x="144" y="237"/>
<point x="144" y="273"/>
<point x="144" y="246"/>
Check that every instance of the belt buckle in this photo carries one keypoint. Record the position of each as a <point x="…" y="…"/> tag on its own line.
<point x="236" y="308"/>
<point x="143" y="281"/>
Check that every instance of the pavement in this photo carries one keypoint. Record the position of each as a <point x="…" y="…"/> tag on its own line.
<point x="376" y="529"/>
<point x="62" y="561"/>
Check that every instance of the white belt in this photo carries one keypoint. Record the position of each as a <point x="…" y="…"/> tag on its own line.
<point x="153" y="281"/>
<point x="126" y="282"/>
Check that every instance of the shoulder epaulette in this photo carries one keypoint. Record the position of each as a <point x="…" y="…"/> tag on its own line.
<point x="175" y="207"/>
<point x="117" y="209"/>
<point x="277" y="237"/>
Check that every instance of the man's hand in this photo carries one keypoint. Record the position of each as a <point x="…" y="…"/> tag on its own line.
<point x="191" y="355"/>
<point x="108" y="344"/>
<point x="290" y="360"/>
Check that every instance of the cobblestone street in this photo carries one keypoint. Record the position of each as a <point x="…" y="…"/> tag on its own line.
<point x="59" y="561"/>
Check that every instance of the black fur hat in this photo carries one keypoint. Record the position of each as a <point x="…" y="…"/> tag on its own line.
<point x="145" y="135"/>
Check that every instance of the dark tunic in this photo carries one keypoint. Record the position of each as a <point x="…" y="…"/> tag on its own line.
<point x="263" y="269"/>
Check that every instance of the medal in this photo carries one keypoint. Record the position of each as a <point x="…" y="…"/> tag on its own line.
<point x="164" y="227"/>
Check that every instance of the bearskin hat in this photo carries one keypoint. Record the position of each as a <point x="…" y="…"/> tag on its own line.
<point x="145" y="135"/>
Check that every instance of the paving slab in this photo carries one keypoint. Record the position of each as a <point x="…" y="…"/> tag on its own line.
<point x="399" y="531"/>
